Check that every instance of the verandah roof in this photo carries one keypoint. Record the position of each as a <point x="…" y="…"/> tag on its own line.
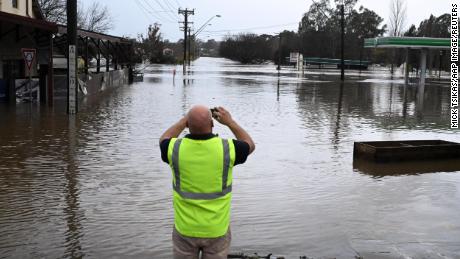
<point x="407" y="42"/>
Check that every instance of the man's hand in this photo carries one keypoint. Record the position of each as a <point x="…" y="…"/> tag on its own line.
<point x="222" y="116"/>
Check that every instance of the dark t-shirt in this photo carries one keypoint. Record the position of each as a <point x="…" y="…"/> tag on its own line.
<point x="241" y="148"/>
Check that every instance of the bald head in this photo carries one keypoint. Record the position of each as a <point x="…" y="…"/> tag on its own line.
<point x="199" y="120"/>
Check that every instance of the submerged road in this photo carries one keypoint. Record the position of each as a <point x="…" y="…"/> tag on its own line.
<point x="95" y="185"/>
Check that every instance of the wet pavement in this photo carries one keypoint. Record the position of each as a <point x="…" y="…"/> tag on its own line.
<point x="95" y="186"/>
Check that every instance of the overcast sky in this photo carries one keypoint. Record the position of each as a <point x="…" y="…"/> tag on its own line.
<point x="132" y="17"/>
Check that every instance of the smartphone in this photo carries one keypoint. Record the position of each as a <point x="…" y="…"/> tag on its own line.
<point x="213" y="110"/>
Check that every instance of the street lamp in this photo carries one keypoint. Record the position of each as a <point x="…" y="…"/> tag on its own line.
<point x="205" y="24"/>
<point x="202" y="27"/>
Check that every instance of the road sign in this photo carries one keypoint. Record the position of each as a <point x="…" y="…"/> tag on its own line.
<point x="293" y="57"/>
<point x="72" y="108"/>
<point x="29" y="56"/>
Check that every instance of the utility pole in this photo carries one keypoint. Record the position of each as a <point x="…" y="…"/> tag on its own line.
<point x="342" y="24"/>
<point x="279" y="55"/>
<point x="186" y="13"/>
<point x="72" y="89"/>
<point x="441" y="53"/>
<point x="189" y="44"/>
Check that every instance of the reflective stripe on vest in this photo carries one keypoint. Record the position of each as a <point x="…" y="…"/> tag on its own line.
<point x="201" y="196"/>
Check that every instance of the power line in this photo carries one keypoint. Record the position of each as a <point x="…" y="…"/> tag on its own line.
<point x="146" y="13"/>
<point x="157" y="14"/>
<point x="170" y="4"/>
<point x="143" y="10"/>
<point x="164" y="9"/>
<point x="172" y="7"/>
<point x="178" y="4"/>
<point x="254" y="28"/>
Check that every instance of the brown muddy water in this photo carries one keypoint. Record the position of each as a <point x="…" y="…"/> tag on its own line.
<point x="94" y="186"/>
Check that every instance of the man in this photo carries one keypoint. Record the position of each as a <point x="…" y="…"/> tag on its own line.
<point x="202" y="164"/>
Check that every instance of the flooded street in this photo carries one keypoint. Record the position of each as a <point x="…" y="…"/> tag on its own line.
<point x="94" y="185"/>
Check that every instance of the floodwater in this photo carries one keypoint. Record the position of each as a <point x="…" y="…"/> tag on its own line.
<point x="94" y="185"/>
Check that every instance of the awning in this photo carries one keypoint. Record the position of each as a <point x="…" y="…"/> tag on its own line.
<point x="408" y="42"/>
<point x="28" y="22"/>
<point x="62" y="29"/>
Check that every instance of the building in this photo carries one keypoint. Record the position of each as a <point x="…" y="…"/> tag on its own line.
<point x="18" y="7"/>
<point x="22" y="26"/>
<point x="168" y="52"/>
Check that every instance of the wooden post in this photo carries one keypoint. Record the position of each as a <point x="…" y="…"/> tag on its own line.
<point x="98" y="60"/>
<point x="50" y="83"/>
<point x="72" y="72"/>
<point x="107" y="57"/>
<point x="406" y="69"/>
<point x="86" y="55"/>
<point x="115" y="56"/>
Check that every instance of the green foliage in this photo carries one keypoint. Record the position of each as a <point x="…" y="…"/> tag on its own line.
<point x="436" y="27"/>
<point x="151" y="47"/>
<point x="318" y="35"/>
<point x="320" y="29"/>
<point x="247" y="48"/>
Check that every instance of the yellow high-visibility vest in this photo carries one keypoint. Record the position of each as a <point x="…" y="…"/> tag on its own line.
<point x="202" y="185"/>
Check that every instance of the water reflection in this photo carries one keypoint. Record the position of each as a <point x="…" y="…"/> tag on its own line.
<point x="72" y="210"/>
<point x="406" y="168"/>
<point x="339" y="113"/>
<point x="95" y="186"/>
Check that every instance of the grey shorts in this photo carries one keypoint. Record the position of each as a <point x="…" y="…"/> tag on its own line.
<point x="210" y="248"/>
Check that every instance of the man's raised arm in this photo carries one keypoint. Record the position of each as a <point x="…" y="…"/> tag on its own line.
<point x="224" y="117"/>
<point x="174" y="130"/>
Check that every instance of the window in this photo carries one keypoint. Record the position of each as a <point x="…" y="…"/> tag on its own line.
<point x="14" y="3"/>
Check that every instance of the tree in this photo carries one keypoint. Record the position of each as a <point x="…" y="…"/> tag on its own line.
<point x="412" y="32"/>
<point x="349" y="5"/>
<point x="95" y="18"/>
<point x="53" y="10"/>
<point x="318" y="35"/>
<point x="208" y="48"/>
<point x="152" y="45"/>
<point x="319" y="29"/>
<point x="316" y="18"/>
<point x="289" y="43"/>
<point x="397" y="21"/>
<point x="247" y="48"/>
<point x="436" y="27"/>
<point x="397" y="17"/>
<point x="361" y="24"/>
<point x="365" y="23"/>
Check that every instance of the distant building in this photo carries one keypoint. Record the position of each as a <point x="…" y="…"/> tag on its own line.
<point x="168" y="52"/>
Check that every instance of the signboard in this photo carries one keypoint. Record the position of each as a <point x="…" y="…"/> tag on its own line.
<point x="29" y="56"/>
<point x="72" y="108"/>
<point x="300" y="63"/>
<point x="293" y="56"/>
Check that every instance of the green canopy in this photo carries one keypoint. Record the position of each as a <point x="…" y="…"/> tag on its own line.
<point x="407" y="42"/>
